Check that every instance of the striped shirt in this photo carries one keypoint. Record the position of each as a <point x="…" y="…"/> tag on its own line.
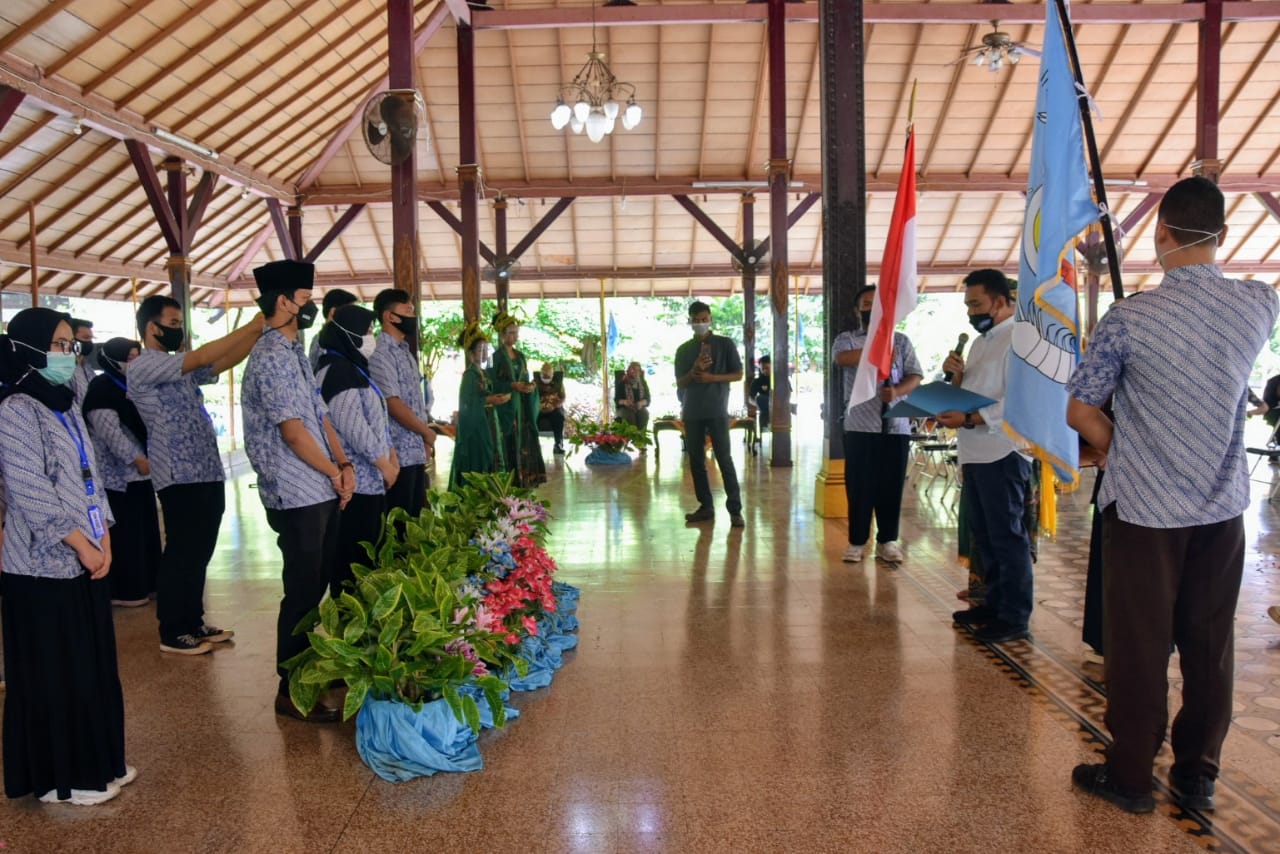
<point x="181" y="444"/>
<point x="395" y="370"/>
<point x="1178" y="360"/>
<point x="43" y="490"/>
<point x="278" y="386"/>
<point x="866" y="417"/>
<point x="359" y="417"/>
<point x="80" y="379"/>
<point x="117" y="449"/>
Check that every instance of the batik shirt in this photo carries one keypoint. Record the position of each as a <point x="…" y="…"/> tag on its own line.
<point x="43" y="489"/>
<point x="117" y="449"/>
<point x="359" y="417"/>
<point x="395" y="370"/>
<point x="181" y="444"/>
<point x="279" y="387"/>
<point x="1178" y="360"/>
<point x="868" y="417"/>
<point x="80" y="379"/>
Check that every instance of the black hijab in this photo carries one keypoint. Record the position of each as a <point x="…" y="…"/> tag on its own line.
<point x="107" y="390"/>
<point x="340" y="351"/>
<point x="19" y="364"/>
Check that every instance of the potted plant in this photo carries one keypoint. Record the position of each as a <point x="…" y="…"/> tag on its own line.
<point x="608" y="442"/>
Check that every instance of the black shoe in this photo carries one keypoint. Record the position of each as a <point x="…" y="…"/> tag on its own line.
<point x="319" y="714"/>
<point x="702" y="514"/>
<point x="736" y="521"/>
<point x="1096" y="780"/>
<point x="559" y="451"/>
<point x="974" y="616"/>
<point x="1195" y="793"/>
<point x="998" y="631"/>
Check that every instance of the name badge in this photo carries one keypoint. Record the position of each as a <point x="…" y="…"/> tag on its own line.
<point x="95" y="522"/>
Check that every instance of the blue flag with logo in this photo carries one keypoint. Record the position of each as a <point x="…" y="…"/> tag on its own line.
<point x="1060" y="205"/>
<point x="612" y="333"/>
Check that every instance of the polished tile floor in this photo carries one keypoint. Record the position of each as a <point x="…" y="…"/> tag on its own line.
<point x="735" y="691"/>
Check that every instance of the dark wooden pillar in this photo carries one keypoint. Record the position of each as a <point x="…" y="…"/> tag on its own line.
<point x="844" y="224"/>
<point x="502" y="277"/>
<point x="295" y="230"/>
<point x="779" y="174"/>
<point x="468" y="172"/>
<point x="404" y="175"/>
<point x="1209" y="62"/>
<point x="748" y="294"/>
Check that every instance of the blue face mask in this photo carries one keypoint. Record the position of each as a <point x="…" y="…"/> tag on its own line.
<point x="58" y="368"/>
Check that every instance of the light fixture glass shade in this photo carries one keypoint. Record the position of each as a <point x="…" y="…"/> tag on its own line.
<point x="980" y="57"/>
<point x="1014" y="56"/>
<point x="596" y="124"/>
<point x="631" y="115"/>
<point x="997" y="63"/>
<point x="560" y="115"/>
<point x="611" y="110"/>
<point x="581" y="110"/>
<point x="609" y="124"/>
<point x="577" y="126"/>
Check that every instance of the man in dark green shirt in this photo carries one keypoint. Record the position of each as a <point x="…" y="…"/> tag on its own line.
<point x="705" y="366"/>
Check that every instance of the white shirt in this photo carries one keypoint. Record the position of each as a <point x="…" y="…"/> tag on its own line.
<point x="986" y="372"/>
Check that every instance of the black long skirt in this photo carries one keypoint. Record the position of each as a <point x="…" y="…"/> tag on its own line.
<point x="63" y="707"/>
<point x="135" y="541"/>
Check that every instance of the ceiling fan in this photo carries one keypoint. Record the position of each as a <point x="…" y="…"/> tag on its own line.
<point x="997" y="50"/>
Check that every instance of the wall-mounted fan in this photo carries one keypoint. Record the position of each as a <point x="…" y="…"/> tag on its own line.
<point x="391" y="121"/>
<point x="504" y="271"/>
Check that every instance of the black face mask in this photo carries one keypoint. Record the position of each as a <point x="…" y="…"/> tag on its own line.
<point x="981" y="322"/>
<point x="307" y="313"/>
<point x="866" y="320"/>
<point x="170" y="337"/>
<point x="408" y="326"/>
<point x="86" y="347"/>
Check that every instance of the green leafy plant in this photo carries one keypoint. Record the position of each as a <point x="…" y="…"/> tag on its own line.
<point x="614" y="437"/>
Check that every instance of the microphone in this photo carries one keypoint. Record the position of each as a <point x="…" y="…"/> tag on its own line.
<point x="959" y="351"/>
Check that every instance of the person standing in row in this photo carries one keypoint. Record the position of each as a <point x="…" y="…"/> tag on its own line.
<point x="304" y="477"/>
<point x="394" y="367"/>
<point x="120" y="438"/>
<point x="82" y="331"/>
<point x="705" y="366"/>
<point x="1173" y="500"/>
<point x="186" y="467"/>
<point x="333" y="300"/>
<point x="518" y="417"/>
<point x="479" y="442"/>
<point x="359" y="416"/>
<point x="63" y="707"/>
<point x="876" y="448"/>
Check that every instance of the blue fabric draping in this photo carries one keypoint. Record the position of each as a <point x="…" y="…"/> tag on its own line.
<point x="400" y="744"/>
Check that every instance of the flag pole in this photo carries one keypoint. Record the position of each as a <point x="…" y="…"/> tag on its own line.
<point x="1091" y="143"/>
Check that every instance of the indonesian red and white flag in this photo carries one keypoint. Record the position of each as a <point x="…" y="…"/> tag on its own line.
<point x="896" y="294"/>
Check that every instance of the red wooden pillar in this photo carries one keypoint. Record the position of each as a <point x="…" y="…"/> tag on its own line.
<point x="748" y="294"/>
<point x="1209" y="60"/>
<point x="502" y="278"/>
<point x="779" y="174"/>
<point x="404" y="176"/>
<point x="468" y="172"/>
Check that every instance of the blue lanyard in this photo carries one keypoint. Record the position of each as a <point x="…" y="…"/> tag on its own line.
<point x="78" y="439"/>
<point x="124" y="388"/>
<point x="382" y="397"/>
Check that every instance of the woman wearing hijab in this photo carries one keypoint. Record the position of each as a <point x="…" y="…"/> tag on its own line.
<point x="120" y="439"/>
<point x="63" y="710"/>
<point x="478" y="446"/>
<point x="519" y="416"/>
<point x="359" y="415"/>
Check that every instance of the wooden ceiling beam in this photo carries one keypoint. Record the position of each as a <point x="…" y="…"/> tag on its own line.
<point x="75" y="203"/>
<point x="939" y="128"/>
<point x="44" y="159"/>
<point x="35" y="22"/>
<point x="67" y="262"/>
<point x="131" y="11"/>
<point x="904" y="102"/>
<point x="165" y="34"/>
<point x="1118" y="129"/>
<point x="757" y="114"/>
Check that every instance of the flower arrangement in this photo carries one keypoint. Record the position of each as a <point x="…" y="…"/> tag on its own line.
<point x="616" y="437"/>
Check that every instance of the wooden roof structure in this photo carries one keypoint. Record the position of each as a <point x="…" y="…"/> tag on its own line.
<point x="275" y="89"/>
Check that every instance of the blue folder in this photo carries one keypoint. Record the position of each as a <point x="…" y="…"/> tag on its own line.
<point x="928" y="400"/>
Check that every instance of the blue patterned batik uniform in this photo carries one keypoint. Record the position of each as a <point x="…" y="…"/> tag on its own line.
<point x="359" y="417"/>
<point x="181" y="444"/>
<point x="117" y="449"/>
<point x="395" y="370"/>
<point x="1178" y="360"/>
<point x="279" y="387"/>
<point x="44" y="492"/>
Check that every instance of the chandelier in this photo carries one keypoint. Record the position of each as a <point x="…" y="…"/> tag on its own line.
<point x="597" y="99"/>
<point x="997" y="49"/>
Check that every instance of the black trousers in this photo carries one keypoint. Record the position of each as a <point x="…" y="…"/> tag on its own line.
<point x="553" y="421"/>
<point x="875" y="469"/>
<point x="1163" y="586"/>
<point x="308" y="540"/>
<point x="135" y="541"/>
<point x="696" y="431"/>
<point x="410" y="490"/>
<point x="360" y="521"/>
<point x="192" y="517"/>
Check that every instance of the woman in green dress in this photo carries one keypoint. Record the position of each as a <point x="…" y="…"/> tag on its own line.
<point x="518" y="418"/>
<point x="477" y="446"/>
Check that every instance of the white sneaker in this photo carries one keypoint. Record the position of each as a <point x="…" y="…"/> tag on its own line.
<point x="81" y="797"/>
<point x="130" y="774"/>
<point x="889" y="552"/>
<point x="853" y="554"/>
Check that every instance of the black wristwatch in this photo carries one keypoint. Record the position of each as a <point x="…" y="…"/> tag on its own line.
<point x="968" y="421"/>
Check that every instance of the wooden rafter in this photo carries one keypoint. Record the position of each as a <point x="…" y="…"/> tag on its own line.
<point x="951" y="216"/>
<point x="903" y="102"/>
<point x="939" y="127"/>
<point x="979" y="243"/>
<point x="75" y="203"/>
<point x="1258" y="123"/>
<point x="123" y="17"/>
<point x="1238" y="242"/>
<point x="709" y="66"/>
<point x="144" y="49"/>
<point x="1118" y="129"/>
<point x="21" y="140"/>
<point x="814" y="84"/>
<point x="758" y="111"/>
<point x="45" y="158"/>
<point x="35" y="22"/>
<point x="517" y="106"/>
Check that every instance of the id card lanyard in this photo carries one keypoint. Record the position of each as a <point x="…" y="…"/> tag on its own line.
<point x="381" y="397"/>
<point x="96" y="524"/>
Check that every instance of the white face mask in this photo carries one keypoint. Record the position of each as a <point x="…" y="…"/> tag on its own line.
<point x="546" y="378"/>
<point x="1208" y="235"/>
<point x="701" y="329"/>
<point x="368" y="343"/>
